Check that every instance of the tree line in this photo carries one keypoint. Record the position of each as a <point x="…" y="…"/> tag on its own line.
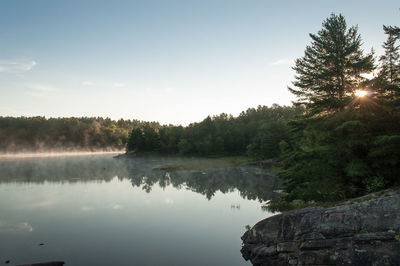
<point x="32" y="134"/>
<point x="256" y="132"/>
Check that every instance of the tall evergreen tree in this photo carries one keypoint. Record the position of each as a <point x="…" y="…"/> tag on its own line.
<point x="390" y="63"/>
<point x="389" y="75"/>
<point x="394" y="30"/>
<point x="331" y="67"/>
<point x="135" y="141"/>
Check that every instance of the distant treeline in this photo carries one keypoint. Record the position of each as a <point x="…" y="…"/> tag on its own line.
<point x="255" y="132"/>
<point x="32" y="134"/>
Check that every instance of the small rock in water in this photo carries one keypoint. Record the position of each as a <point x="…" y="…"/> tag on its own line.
<point x="7" y="261"/>
<point x="50" y="263"/>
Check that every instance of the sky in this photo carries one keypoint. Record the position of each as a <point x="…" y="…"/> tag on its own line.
<point x="169" y="61"/>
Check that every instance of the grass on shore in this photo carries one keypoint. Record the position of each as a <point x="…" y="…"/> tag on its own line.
<point x="207" y="163"/>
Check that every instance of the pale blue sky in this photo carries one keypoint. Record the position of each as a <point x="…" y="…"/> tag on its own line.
<point x="168" y="61"/>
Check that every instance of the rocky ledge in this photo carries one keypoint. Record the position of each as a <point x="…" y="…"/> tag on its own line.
<point x="362" y="232"/>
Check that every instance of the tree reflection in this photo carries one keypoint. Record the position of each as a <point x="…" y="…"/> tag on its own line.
<point x="251" y="182"/>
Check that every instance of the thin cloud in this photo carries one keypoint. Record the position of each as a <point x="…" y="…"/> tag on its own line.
<point x="16" y="65"/>
<point x="41" y="87"/>
<point x="283" y="61"/>
<point x="38" y="90"/>
<point x="168" y="90"/>
<point x="87" y="83"/>
<point x="118" y="85"/>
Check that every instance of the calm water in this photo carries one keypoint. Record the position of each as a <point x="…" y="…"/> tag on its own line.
<point x="97" y="210"/>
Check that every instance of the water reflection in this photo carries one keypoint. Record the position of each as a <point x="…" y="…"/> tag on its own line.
<point x="97" y="210"/>
<point x="252" y="183"/>
<point x="15" y="227"/>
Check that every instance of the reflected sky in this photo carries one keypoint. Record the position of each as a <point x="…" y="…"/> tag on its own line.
<point x="97" y="210"/>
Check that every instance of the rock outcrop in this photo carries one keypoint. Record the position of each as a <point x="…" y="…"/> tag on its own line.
<point x="363" y="232"/>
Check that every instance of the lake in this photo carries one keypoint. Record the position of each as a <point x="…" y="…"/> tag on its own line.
<point x="98" y="210"/>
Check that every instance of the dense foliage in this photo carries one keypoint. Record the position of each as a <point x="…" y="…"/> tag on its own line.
<point x="28" y="134"/>
<point x="345" y="145"/>
<point x="331" y="67"/>
<point x="255" y="132"/>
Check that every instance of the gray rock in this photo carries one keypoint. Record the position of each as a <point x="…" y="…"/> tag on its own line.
<point x="361" y="233"/>
<point x="287" y="247"/>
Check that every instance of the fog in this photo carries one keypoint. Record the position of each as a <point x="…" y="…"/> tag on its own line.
<point x="21" y="155"/>
<point x="143" y="172"/>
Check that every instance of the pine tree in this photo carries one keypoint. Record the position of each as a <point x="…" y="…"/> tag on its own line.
<point x="331" y="68"/>
<point x="390" y="68"/>
<point x="394" y="30"/>
<point x="389" y="75"/>
<point x="135" y="141"/>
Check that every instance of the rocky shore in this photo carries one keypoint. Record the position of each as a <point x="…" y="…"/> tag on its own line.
<point x="365" y="231"/>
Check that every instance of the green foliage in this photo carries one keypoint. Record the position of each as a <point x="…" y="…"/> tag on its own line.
<point x="280" y="205"/>
<point x="345" y="146"/>
<point x="373" y="184"/>
<point x="387" y="83"/>
<point x="265" y="144"/>
<point x="184" y="147"/>
<point x="331" y="67"/>
<point x="255" y="132"/>
<point x="30" y="134"/>
<point x="385" y="157"/>
<point x="339" y="157"/>
<point x="151" y="139"/>
<point x="390" y="61"/>
<point x="136" y="140"/>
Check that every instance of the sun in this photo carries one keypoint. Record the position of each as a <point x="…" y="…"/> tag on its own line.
<point x="361" y="93"/>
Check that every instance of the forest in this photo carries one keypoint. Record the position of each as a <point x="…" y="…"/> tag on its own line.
<point x="39" y="134"/>
<point x="339" y="139"/>
<point x="256" y="132"/>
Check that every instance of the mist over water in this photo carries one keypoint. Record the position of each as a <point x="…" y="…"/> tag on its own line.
<point x="18" y="155"/>
<point x="97" y="210"/>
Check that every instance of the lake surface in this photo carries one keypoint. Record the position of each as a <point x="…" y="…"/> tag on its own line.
<point x="97" y="210"/>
